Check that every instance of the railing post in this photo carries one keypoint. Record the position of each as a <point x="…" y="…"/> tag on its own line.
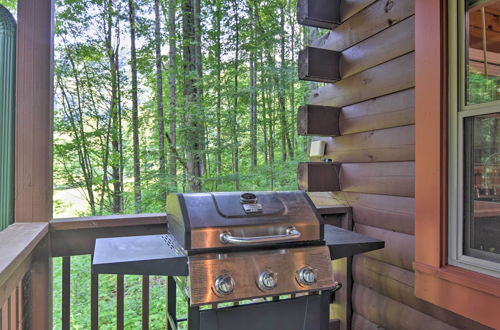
<point x="40" y="289"/>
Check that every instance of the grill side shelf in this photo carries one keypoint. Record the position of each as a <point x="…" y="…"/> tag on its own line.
<point x="140" y="255"/>
<point x="344" y="243"/>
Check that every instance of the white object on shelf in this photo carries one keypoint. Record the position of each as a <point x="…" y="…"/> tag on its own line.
<point x="317" y="148"/>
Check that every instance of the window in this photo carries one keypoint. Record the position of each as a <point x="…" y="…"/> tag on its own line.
<point x="475" y="141"/>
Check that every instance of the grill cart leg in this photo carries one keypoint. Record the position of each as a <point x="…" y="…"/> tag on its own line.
<point x="193" y="317"/>
<point x="171" y="303"/>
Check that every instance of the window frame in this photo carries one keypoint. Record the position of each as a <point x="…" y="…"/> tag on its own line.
<point x="470" y="294"/>
<point x="457" y="114"/>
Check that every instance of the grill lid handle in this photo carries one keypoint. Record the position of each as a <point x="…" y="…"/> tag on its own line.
<point x="291" y="234"/>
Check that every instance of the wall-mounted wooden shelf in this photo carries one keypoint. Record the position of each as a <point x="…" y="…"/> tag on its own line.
<point x="317" y="177"/>
<point x="319" y="13"/>
<point x="318" y="120"/>
<point x="321" y="65"/>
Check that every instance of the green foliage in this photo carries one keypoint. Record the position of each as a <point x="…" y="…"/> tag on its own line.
<point x="9" y="4"/>
<point x="94" y="167"/>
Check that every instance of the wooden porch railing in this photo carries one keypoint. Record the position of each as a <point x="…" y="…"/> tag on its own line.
<point x="27" y="249"/>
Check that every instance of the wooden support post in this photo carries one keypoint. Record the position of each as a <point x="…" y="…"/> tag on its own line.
<point x="319" y="13"/>
<point x="317" y="64"/>
<point x="34" y="97"/>
<point x="318" y="120"/>
<point x="315" y="177"/>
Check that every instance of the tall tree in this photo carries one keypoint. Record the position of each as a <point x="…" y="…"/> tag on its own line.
<point x="234" y="110"/>
<point x="116" y="206"/>
<point x="191" y="93"/>
<point x="159" y="103"/>
<point x="172" y="91"/>
<point x="253" y="88"/>
<point x="135" y="108"/>
<point x="218" y="91"/>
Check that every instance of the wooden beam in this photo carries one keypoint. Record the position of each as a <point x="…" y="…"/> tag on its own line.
<point x="318" y="176"/>
<point x="34" y="99"/>
<point x="316" y="64"/>
<point x="386" y="145"/>
<point x="319" y="13"/>
<point x="109" y="221"/>
<point x="393" y="110"/>
<point x="371" y="20"/>
<point x="383" y="178"/>
<point x="81" y="241"/>
<point x="399" y="248"/>
<point x="395" y="41"/>
<point x="390" y="77"/>
<point x="317" y="120"/>
<point x="392" y="213"/>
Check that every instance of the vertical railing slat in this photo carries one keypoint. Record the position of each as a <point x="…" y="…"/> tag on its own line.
<point x="3" y="316"/>
<point x="145" y="302"/>
<point x="94" y="301"/>
<point x="120" y="302"/>
<point x="10" y="319"/>
<point x="66" y="290"/>
<point x="19" y="312"/>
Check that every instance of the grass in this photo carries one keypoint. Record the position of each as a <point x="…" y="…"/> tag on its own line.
<point x="80" y="298"/>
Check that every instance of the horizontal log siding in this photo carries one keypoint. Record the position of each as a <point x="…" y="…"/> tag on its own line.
<point x="389" y="77"/>
<point x="385" y="145"/>
<point x="362" y="25"/>
<point x="388" y="111"/>
<point x="398" y="284"/>
<point x="382" y="211"/>
<point x="392" y="314"/>
<point x="376" y="148"/>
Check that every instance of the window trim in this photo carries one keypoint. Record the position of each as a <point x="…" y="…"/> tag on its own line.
<point x="468" y="293"/>
<point x="457" y="113"/>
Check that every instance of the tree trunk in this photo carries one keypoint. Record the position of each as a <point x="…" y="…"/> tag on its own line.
<point x="193" y="146"/>
<point x="115" y="143"/>
<point x="135" y="109"/>
<point x="218" y="51"/>
<point x="199" y="85"/>
<point x="253" y="91"/>
<point x="234" y="111"/>
<point x="159" y="102"/>
<point x="172" y="91"/>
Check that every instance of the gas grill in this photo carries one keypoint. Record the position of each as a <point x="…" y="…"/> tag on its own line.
<point x="244" y="260"/>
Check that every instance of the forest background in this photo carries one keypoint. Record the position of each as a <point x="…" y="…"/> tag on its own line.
<point x="161" y="96"/>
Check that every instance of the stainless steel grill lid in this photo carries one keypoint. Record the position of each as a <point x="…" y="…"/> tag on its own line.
<point x="225" y="220"/>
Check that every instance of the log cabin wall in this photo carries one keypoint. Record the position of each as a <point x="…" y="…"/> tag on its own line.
<point x="369" y="59"/>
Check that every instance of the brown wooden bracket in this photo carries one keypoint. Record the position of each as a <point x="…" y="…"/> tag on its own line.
<point x="318" y="120"/>
<point x="319" y="13"/>
<point x="318" y="64"/>
<point x="315" y="177"/>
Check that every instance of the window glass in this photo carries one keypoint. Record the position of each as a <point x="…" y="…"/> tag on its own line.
<point x="482" y="188"/>
<point x="483" y="53"/>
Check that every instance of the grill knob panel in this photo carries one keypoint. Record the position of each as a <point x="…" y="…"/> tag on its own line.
<point x="307" y="276"/>
<point x="224" y="285"/>
<point x="267" y="280"/>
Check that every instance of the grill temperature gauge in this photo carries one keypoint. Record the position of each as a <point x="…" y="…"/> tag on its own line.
<point x="267" y="280"/>
<point x="307" y="276"/>
<point x="224" y="284"/>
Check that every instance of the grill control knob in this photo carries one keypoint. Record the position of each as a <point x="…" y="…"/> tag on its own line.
<point x="267" y="280"/>
<point x="307" y="276"/>
<point x="224" y="284"/>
